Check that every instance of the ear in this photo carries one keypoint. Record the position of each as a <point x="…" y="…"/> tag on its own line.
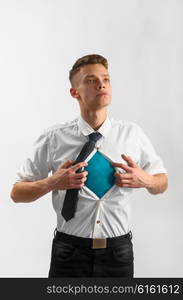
<point x="74" y="93"/>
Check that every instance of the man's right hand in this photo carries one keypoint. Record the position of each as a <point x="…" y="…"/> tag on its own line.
<point x="66" y="177"/>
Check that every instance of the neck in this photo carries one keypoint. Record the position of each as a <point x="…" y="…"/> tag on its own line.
<point x="94" y="118"/>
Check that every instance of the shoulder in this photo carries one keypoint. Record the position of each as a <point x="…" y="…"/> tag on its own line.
<point x="60" y="127"/>
<point x="49" y="134"/>
<point x="132" y="130"/>
<point x="125" y="125"/>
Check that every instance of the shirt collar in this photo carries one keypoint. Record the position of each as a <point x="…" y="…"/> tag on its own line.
<point x="86" y="129"/>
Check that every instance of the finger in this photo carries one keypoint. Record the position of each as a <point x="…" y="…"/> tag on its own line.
<point x="81" y="180"/>
<point x="118" y="179"/>
<point x="121" y="184"/>
<point x="66" y="164"/>
<point x="79" y="186"/>
<point x="124" y="181"/>
<point x="76" y="186"/>
<point x="125" y="176"/>
<point x="122" y="166"/>
<point x="129" y="160"/>
<point x="118" y="176"/>
<point x="79" y="165"/>
<point x="80" y="175"/>
<point x="121" y="180"/>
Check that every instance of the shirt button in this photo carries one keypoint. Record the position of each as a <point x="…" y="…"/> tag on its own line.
<point x="98" y="222"/>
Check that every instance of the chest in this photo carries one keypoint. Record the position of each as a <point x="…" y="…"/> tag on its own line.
<point x="112" y="147"/>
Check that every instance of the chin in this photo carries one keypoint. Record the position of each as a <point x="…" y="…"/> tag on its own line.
<point x="102" y="106"/>
<point x="107" y="102"/>
<point x="105" y="99"/>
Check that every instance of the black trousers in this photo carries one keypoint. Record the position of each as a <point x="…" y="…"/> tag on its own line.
<point x="71" y="260"/>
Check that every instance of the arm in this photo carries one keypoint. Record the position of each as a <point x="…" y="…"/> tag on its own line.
<point x="64" y="178"/>
<point x="29" y="191"/>
<point x="136" y="177"/>
<point x="159" y="184"/>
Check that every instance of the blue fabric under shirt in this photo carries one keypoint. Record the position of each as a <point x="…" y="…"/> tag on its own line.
<point x="100" y="176"/>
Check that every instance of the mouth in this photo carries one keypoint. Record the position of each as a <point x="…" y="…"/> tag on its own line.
<point x="102" y="94"/>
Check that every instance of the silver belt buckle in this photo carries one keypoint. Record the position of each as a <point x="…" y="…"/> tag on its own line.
<point x="99" y="243"/>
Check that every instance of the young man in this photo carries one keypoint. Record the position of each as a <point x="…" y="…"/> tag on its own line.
<point x="96" y="162"/>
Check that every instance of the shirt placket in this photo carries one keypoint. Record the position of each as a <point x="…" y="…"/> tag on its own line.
<point x="97" y="231"/>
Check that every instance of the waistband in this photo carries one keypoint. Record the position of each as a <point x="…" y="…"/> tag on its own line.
<point x="95" y="243"/>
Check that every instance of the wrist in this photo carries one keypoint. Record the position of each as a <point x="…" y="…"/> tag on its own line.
<point x="48" y="185"/>
<point x="150" y="183"/>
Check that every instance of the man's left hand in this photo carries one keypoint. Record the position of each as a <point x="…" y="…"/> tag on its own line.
<point x="135" y="177"/>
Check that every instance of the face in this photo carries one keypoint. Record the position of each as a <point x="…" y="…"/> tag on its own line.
<point x="92" y="87"/>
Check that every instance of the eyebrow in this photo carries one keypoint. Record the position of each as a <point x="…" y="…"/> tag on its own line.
<point x="92" y="75"/>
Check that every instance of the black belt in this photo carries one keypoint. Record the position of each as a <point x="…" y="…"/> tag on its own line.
<point x="92" y="243"/>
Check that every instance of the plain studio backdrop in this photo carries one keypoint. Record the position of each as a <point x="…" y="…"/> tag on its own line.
<point x="39" y="42"/>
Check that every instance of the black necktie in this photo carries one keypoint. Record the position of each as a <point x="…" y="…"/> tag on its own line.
<point x="71" y="197"/>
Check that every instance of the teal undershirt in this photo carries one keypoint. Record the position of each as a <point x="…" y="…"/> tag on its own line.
<point x="100" y="176"/>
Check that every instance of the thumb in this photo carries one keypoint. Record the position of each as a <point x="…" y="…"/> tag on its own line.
<point x="66" y="164"/>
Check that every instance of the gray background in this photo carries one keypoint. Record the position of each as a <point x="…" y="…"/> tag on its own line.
<point x="143" y="41"/>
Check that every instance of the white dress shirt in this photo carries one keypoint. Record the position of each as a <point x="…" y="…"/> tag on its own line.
<point x="95" y="217"/>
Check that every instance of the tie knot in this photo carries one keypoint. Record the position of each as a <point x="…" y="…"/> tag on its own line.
<point x="95" y="136"/>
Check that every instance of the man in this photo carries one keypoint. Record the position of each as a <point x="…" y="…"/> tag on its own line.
<point x="96" y="162"/>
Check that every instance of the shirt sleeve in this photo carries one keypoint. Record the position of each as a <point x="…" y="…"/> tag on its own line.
<point x="149" y="160"/>
<point x="38" y="165"/>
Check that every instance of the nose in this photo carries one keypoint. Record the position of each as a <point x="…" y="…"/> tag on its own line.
<point x="100" y="85"/>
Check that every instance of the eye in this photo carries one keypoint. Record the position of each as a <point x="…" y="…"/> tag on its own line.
<point x="90" y="81"/>
<point x="106" y="79"/>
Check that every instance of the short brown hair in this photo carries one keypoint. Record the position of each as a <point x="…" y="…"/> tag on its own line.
<point x="87" y="60"/>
